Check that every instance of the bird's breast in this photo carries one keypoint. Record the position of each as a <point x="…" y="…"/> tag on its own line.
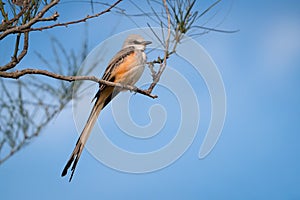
<point x="131" y="68"/>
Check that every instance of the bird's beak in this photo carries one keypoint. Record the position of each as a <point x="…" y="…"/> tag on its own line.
<point x="146" y="42"/>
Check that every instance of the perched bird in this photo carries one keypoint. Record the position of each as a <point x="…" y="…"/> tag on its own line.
<point x="126" y="67"/>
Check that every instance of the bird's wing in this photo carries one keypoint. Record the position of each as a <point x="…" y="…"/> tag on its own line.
<point x="114" y="63"/>
<point x="108" y="74"/>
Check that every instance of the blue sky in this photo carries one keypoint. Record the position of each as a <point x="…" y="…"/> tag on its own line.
<point x="257" y="155"/>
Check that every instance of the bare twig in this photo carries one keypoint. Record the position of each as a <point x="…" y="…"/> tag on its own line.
<point x="51" y="18"/>
<point x="17" y="74"/>
<point x="16" y="59"/>
<point x="4" y="14"/>
<point x="26" y="28"/>
<point x="215" y="30"/>
<point x="163" y="65"/>
<point x="22" y="28"/>
<point x="73" y="22"/>
<point x="7" y="23"/>
<point x="25" y="138"/>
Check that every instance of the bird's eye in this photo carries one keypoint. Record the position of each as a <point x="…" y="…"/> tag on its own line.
<point x="136" y="42"/>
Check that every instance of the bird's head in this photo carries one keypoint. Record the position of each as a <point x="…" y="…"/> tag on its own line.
<point x="137" y="41"/>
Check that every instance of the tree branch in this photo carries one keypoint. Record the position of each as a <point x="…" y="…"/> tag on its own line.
<point x="16" y="59"/>
<point x="163" y="64"/>
<point x="51" y="18"/>
<point x="71" y="22"/>
<point x="5" y="23"/>
<point x="21" y="28"/>
<point x="17" y="74"/>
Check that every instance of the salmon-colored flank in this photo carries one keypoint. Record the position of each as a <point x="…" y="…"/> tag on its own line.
<point x="124" y="67"/>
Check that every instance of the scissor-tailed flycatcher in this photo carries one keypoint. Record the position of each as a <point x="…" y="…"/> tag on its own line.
<point x="126" y="67"/>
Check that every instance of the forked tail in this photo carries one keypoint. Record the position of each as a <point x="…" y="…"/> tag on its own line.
<point x="83" y="138"/>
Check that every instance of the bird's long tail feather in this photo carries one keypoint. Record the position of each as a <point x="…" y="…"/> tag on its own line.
<point x="83" y="138"/>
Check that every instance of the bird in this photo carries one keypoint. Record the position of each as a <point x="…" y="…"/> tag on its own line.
<point x="126" y="68"/>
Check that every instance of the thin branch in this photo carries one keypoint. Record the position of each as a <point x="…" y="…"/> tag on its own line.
<point x="209" y="8"/>
<point x="215" y="30"/>
<point x="16" y="46"/>
<point x="51" y="18"/>
<point x="18" y="29"/>
<point x="4" y="15"/>
<point x="5" y="24"/>
<point x="166" y="54"/>
<point x="16" y="59"/>
<point x="72" y="22"/>
<point x="17" y="74"/>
